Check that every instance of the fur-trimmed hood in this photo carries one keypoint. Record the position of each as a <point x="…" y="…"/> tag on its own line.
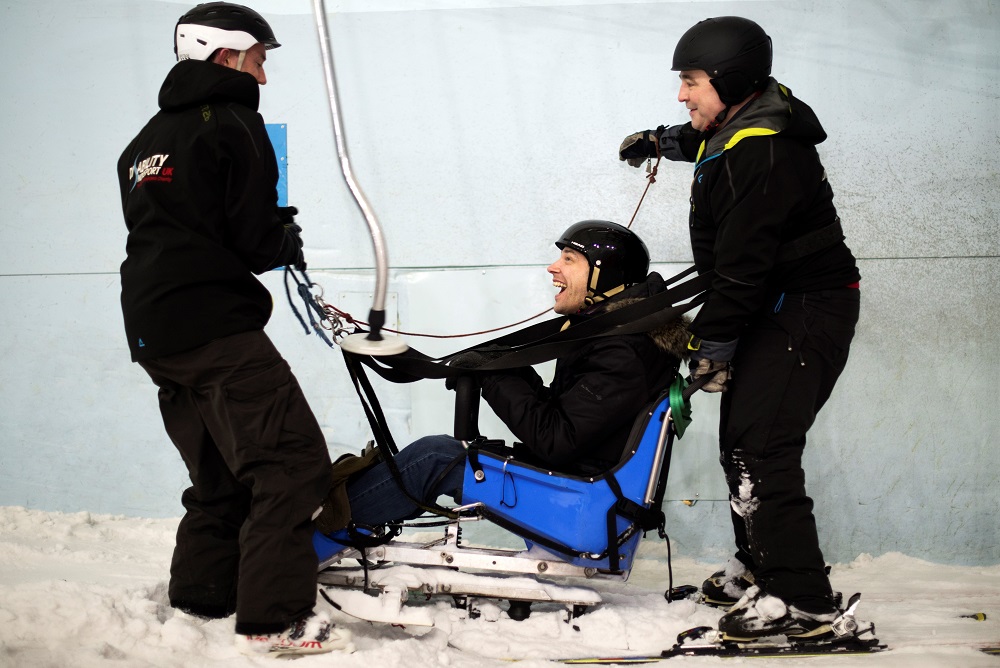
<point x="672" y="337"/>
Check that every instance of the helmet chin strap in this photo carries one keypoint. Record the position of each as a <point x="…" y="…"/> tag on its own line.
<point x="596" y="297"/>
<point x="239" y="61"/>
<point x="717" y="121"/>
<point x="593" y="296"/>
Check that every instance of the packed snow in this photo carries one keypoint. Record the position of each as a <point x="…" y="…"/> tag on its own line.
<point x="86" y="590"/>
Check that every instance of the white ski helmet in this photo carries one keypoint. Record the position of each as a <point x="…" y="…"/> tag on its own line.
<point x="220" y="25"/>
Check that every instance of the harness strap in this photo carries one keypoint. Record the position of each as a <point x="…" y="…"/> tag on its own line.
<point x="544" y="342"/>
<point x="382" y="435"/>
<point x="310" y="302"/>
<point x="612" y="522"/>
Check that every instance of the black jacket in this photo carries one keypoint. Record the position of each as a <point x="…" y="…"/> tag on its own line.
<point x="759" y="186"/>
<point x="580" y="423"/>
<point x="198" y="188"/>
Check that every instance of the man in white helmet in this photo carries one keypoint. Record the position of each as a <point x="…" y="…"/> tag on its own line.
<point x="198" y="188"/>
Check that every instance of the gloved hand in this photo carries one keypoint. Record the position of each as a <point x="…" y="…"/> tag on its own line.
<point x="678" y="142"/>
<point x="638" y="147"/>
<point x="292" y="244"/>
<point x="720" y="370"/>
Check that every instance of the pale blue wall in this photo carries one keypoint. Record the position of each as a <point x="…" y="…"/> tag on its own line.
<point x="479" y="130"/>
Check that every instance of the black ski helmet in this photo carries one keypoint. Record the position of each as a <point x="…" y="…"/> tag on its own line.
<point x="617" y="256"/>
<point x="734" y="51"/>
<point x="220" y="25"/>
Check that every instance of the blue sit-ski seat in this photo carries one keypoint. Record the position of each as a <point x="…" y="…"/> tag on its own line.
<point x="577" y="517"/>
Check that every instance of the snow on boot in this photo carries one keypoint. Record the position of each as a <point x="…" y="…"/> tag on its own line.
<point x="724" y="588"/>
<point x="313" y="634"/>
<point x="758" y="615"/>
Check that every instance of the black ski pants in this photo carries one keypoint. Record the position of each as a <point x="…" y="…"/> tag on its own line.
<point x="785" y="367"/>
<point x="259" y="469"/>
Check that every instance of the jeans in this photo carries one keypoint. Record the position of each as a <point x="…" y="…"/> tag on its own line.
<point x="429" y="467"/>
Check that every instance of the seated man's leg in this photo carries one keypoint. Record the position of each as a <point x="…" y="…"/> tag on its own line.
<point x="429" y="467"/>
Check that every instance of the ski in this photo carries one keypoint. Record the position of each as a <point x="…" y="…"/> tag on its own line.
<point x="747" y="650"/>
<point x="729" y="648"/>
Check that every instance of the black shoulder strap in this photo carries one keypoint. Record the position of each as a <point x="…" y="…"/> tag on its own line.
<point x="547" y="340"/>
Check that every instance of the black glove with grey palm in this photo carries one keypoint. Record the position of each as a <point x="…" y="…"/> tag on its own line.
<point x="291" y="245"/>
<point x="721" y="374"/>
<point x="678" y="142"/>
<point x="710" y="358"/>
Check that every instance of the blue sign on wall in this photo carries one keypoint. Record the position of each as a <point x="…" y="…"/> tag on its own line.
<point x="278" y="132"/>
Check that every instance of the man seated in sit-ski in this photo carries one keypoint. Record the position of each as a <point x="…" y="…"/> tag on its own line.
<point x="579" y="424"/>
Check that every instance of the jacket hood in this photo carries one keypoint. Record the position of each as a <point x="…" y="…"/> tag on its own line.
<point x="776" y="111"/>
<point x="192" y="82"/>
<point x="672" y="337"/>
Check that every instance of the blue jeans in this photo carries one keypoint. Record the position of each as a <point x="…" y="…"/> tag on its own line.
<point x="429" y="467"/>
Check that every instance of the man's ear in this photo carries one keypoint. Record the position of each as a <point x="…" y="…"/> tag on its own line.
<point x="221" y="56"/>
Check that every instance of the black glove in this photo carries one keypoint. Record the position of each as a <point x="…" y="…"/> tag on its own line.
<point x="711" y="357"/>
<point x="720" y="370"/>
<point x="678" y="142"/>
<point x="638" y="147"/>
<point x="291" y="248"/>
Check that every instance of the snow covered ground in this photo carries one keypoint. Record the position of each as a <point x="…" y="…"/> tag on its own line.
<point x="81" y="590"/>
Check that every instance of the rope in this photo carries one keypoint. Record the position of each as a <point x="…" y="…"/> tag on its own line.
<point x="650" y="180"/>
<point x="350" y="319"/>
<point x="334" y="320"/>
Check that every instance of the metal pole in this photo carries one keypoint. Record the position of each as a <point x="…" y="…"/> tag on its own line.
<point x="375" y="343"/>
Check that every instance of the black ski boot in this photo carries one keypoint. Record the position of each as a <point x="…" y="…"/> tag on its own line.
<point x="724" y="588"/>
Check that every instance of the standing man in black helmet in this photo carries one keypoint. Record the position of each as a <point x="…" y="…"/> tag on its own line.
<point x="776" y="328"/>
<point x="580" y="422"/>
<point x="198" y="188"/>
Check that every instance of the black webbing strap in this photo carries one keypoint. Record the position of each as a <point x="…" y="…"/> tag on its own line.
<point x="382" y="434"/>
<point x="547" y="340"/>
<point x="473" y="455"/>
<point x="532" y="334"/>
<point x="612" y="524"/>
<point x="302" y="288"/>
<point x="649" y="518"/>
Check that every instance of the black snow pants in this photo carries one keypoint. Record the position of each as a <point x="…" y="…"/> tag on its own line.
<point x="786" y="365"/>
<point x="259" y="469"/>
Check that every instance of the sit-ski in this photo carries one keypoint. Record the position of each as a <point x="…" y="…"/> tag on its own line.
<point x="573" y="527"/>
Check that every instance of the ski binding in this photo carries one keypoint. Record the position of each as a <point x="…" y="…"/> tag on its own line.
<point x="845" y="638"/>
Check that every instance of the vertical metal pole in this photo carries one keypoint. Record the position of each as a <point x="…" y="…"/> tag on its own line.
<point x="375" y="343"/>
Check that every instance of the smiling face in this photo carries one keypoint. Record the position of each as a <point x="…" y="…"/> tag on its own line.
<point x="570" y="273"/>
<point x="700" y="97"/>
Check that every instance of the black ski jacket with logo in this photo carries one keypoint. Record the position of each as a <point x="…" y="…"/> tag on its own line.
<point x="198" y="188"/>
<point x="580" y="423"/>
<point x="762" y="214"/>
